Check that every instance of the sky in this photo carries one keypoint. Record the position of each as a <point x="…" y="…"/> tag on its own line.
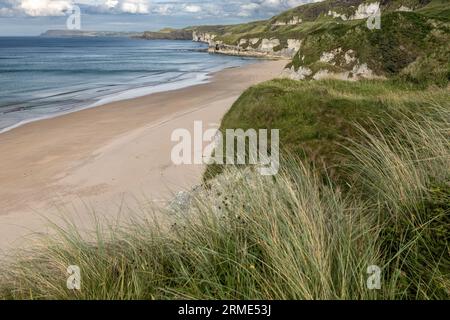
<point x="32" y="17"/>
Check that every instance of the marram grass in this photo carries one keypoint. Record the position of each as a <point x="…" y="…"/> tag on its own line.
<point x="297" y="235"/>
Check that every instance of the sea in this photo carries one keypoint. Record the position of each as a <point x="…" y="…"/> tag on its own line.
<point x="44" y="77"/>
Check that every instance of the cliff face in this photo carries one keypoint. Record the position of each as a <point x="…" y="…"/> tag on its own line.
<point x="253" y="47"/>
<point x="333" y="39"/>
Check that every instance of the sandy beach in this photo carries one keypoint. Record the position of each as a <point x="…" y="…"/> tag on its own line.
<point x="110" y="159"/>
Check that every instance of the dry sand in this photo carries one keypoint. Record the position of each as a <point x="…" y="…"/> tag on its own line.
<point x="111" y="159"/>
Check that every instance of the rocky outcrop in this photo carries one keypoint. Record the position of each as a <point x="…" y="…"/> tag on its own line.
<point x="404" y="9"/>
<point x="294" y="21"/>
<point x="342" y="65"/>
<point x="337" y="15"/>
<point x="268" y="45"/>
<point x="328" y="57"/>
<point x="359" y="71"/>
<point x="238" y="51"/>
<point x="205" y="37"/>
<point x="243" y="42"/>
<point x="300" y="74"/>
<point x="350" y="56"/>
<point x="254" y="41"/>
<point x="293" y="46"/>
<point x="267" y="48"/>
<point x="252" y="47"/>
<point x="364" y="11"/>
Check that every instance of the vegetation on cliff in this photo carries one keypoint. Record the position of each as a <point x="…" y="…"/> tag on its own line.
<point x="167" y="34"/>
<point x="335" y="41"/>
<point x="393" y="50"/>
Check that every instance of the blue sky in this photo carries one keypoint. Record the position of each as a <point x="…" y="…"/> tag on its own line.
<point x="32" y="17"/>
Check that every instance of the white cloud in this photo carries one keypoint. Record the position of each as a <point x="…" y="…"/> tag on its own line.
<point x="134" y="6"/>
<point x="191" y="8"/>
<point x="45" y="7"/>
<point x="120" y="6"/>
<point x="111" y="3"/>
<point x="164" y="9"/>
<point x="195" y="8"/>
<point x="36" y="8"/>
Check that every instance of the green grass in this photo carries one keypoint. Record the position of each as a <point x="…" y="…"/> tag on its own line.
<point x="436" y="8"/>
<point x="390" y="51"/>
<point x="410" y="45"/>
<point x="296" y="235"/>
<point x="315" y="118"/>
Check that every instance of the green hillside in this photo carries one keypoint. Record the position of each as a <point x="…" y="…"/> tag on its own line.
<point x="408" y="44"/>
<point x="335" y="42"/>
<point x="314" y="15"/>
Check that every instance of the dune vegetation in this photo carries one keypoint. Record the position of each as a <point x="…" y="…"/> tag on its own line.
<point x="364" y="181"/>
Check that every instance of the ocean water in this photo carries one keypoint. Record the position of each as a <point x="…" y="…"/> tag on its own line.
<point x="45" y="77"/>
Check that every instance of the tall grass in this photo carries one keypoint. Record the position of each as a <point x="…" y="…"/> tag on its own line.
<point x="292" y="236"/>
<point x="405" y="173"/>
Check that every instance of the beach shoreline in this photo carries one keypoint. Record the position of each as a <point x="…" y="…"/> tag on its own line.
<point x="109" y="157"/>
<point x="123" y="96"/>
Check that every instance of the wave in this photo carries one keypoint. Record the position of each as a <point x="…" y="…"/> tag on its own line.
<point x="51" y="79"/>
<point x="124" y="95"/>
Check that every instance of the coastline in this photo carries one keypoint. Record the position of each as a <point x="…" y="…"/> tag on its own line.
<point x="50" y="90"/>
<point x="123" y="96"/>
<point x="111" y="156"/>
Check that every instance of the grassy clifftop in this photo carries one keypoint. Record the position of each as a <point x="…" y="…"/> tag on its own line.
<point x="331" y="39"/>
<point x="303" y="19"/>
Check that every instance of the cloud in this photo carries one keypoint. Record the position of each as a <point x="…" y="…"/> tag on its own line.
<point x="134" y="6"/>
<point x="194" y="8"/>
<point x="6" y="8"/>
<point x="45" y="7"/>
<point x="34" y="8"/>
<point x="164" y="9"/>
<point x="115" y="6"/>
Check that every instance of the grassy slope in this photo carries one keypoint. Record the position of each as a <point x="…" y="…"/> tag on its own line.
<point x="316" y="117"/>
<point x="388" y="51"/>
<point x="312" y="15"/>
